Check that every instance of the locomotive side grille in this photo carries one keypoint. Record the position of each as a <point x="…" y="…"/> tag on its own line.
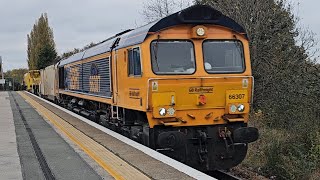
<point x="103" y="74"/>
<point x="73" y="77"/>
<point x="78" y="78"/>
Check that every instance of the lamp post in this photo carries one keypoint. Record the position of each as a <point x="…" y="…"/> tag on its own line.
<point x="1" y="69"/>
<point x="2" y="81"/>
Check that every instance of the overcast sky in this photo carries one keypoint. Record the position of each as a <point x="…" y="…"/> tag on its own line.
<point x="76" y="23"/>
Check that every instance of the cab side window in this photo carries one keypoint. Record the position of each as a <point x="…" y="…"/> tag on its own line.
<point x="134" y="65"/>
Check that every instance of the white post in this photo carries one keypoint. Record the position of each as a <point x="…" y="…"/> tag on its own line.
<point x="1" y="68"/>
<point x="1" y="72"/>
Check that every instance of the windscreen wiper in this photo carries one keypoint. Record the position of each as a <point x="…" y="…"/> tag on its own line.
<point x="155" y="52"/>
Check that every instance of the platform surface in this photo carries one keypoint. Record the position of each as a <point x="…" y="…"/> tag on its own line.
<point x="62" y="160"/>
<point x="9" y="158"/>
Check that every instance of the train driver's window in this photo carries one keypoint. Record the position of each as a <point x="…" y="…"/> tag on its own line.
<point x="173" y="57"/>
<point x="223" y="56"/>
<point x="134" y="65"/>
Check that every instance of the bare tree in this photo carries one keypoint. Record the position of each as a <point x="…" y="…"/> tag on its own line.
<point x="306" y="38"/>
<point x="156" y="9"/>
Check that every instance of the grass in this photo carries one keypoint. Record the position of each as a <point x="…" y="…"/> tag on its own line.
<point x="283" y="154"/>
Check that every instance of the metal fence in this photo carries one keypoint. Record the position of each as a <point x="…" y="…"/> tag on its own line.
<point x="11" y="85"/>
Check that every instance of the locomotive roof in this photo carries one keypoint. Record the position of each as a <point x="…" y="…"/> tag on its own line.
<point x="195" y="15"/>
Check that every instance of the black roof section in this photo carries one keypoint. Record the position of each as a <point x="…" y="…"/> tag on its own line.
<point x="195" y="15"/>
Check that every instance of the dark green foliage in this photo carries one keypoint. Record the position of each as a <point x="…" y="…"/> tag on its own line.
<point x="47" y="55"/>
<point x="288" y="159"/>
<point x="41" y="47"/>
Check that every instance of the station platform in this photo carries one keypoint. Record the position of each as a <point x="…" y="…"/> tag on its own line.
<point x="40" y="140"/>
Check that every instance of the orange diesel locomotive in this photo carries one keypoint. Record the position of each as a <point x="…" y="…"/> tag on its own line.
<point x="181" y="85"/>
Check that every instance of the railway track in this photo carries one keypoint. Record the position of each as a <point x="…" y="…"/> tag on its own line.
<point x="221" y="175"/>
<point x="41" y="159"/>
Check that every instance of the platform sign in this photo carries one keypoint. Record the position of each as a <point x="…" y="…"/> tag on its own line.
<point x="2" y="81"/>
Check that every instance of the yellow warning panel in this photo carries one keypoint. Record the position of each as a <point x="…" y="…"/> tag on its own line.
<point x="163" y="99"/>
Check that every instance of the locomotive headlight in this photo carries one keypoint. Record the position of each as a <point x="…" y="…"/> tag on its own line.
<point x="241" y="108"/>
<point x="200" y="31"/>
<point x="233" y="108"/>
<point x="171" y="111"/>
<point x="162" y="111"/>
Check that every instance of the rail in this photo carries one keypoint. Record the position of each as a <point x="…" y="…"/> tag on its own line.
<point x="223" y="175"/>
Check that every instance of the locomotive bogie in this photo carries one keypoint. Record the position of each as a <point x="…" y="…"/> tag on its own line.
<point x="202" y="147"/>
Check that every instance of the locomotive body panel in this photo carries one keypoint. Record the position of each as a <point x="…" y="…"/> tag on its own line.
<point x="48" y="87"/>
<point x="135" y="91"/>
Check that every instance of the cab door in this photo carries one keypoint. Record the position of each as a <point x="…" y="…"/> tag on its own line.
<point x="129" y="78"/>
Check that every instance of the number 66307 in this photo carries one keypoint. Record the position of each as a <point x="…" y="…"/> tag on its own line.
<point x="236" y="96"/>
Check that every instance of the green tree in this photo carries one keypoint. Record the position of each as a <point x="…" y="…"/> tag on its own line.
<point x="41" y="46"/>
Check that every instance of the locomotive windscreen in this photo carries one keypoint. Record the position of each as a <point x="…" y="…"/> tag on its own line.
<point x="173" y="57"/>
<point x="223" y="56"/>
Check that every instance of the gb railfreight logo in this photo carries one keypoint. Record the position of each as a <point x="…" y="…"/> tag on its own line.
<point x="201" y="90"/>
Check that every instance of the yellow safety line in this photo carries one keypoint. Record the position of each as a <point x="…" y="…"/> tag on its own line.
<point x="45" y="112"/>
